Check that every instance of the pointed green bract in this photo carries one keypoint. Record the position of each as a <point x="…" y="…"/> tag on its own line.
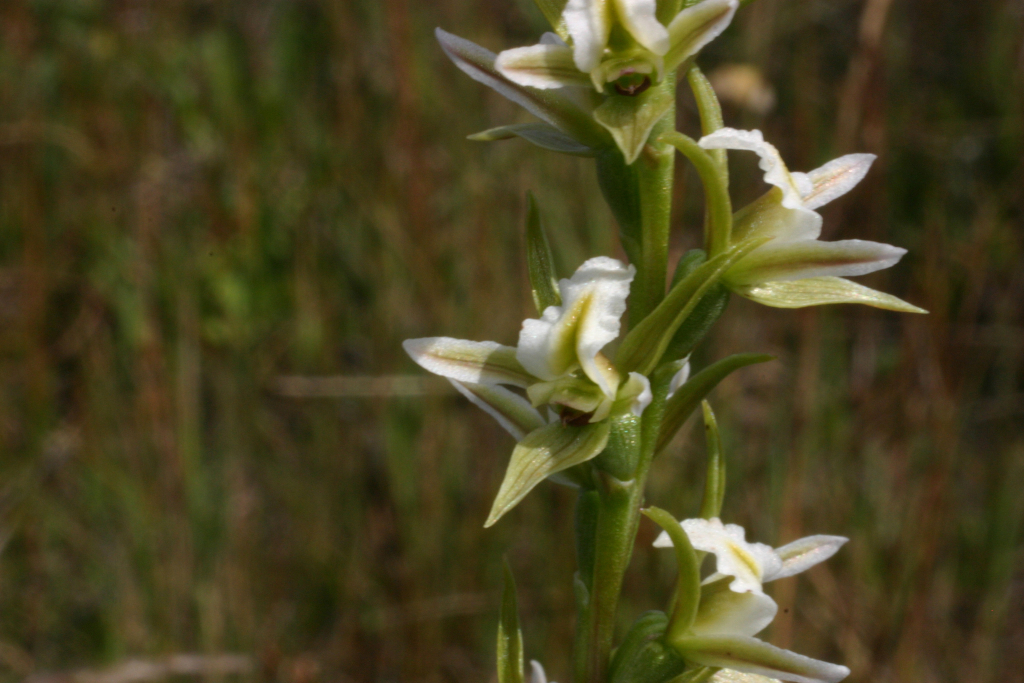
<point x="704" y="315"/>
<point x="542" y="135"/>
<point x="714" y="483"/>
<point x="643" y="656"/>
<point x="688" y="582"/>
<point x="645" y="345"/>
<point x="631" y="119"/>
<point x="744" y="653"/>
<point x="539" y="261"/>
<point x="815" y="291"/>
<point x="552" y="11"/>
<point x="688" y="397"/>
<point x="510" y="637"/>
<point x="544" y="452"/>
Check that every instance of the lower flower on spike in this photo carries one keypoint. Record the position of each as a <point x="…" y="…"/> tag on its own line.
<point x="573" y="389"/>
<point x="733" y="606"/>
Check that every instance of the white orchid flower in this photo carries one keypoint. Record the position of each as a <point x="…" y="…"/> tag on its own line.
<point x="558" y="362"/>
<point x="796" y="269"/>
<point x="733" y="606"/>
<point x="562" y="79"/>
<point x="612" y="39"/>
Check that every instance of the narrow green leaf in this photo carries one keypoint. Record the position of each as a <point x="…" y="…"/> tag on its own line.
<point x="689" y="396"/>
<point x="539" y="260"/>
<point x="710" y="110"/>
<point x="688" y="583"/>
<point x="705" y="314"/>
<point x="714" y="483"/>
<point x="544" y="452"/>
<point x="510" y="637"/>
<point x="552" y="11"/>
<point x="542" y="135"/>
<point x="646" y="343"/>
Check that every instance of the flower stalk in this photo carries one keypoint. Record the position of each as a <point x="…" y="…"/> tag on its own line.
<point x="592" y="411"/>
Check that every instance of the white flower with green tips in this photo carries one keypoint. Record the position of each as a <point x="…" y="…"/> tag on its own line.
<point x="733" y="607"/>
<point x="573" y="389"/>
<point x="564" y="79"/>
<point x="794" y="268"/>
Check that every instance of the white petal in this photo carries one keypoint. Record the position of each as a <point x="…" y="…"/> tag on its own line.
<point x="695" y="27"/>
<point x="679" y="379"/>
<point x="743" y="653"/>
<point x="663" y="541"/>
<point x="725" y="612"/>
<point x="540" y="66"/>
<point x="733" y="676"/>
<point x="538" y="675"/>
<point x="566" y="110"/>
<point x="512" y="411"/>
<point x="746" y="562"/>
<point x="644" y="398"/>
<point x="804" y="553"/>
<point x="775" y="171"/>
<point x="638" y="16"/>
<point x="781" y="261"/>
<point x="571" y="335"/>
<point x="468" y="361"/>
<point x="589" y="23"/>
<point x="836" y="178"/>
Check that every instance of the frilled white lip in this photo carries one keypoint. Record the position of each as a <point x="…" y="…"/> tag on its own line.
<point x="572" y="335"/>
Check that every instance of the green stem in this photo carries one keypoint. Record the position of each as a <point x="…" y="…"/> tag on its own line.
<point x="655" y="175"/>
<point x="616" y="530"/>
<point x="716" y="192"/>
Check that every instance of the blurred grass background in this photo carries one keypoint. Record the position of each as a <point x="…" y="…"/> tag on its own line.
<point x="218" y="220"/>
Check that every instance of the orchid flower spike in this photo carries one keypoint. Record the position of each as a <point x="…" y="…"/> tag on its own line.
<point x="794" y="268"/>
<point x="573" y="389"/>
<point x="564" y="79"/>
<point x="733" y="606"/>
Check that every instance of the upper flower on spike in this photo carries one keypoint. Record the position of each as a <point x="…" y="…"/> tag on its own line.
<point x="563" y="79"/>
<point x="733" y="606"/>
<point x="796" y="269"/>
<point x="616" y="41"/>
<point x="559" y="363"/>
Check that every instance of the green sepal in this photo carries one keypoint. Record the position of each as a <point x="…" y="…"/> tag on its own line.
<point x="714" y="482"/>
<point x="705" y="314"/>
<point x="552" y="11"/>
<point x="620" y="186"/>
<point x="688" y="582"/>
<point x="542" y="135"/>
<point x="643" y="656"/>
<point x="688" y="397"/>
<point x="622" y="453"/>
<point x="630" y="119"/>
<point x="510" y="637"/>
<point x="539" y="261"/>
<point x="647" y="342"/>
<point x="545" y="451"/>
